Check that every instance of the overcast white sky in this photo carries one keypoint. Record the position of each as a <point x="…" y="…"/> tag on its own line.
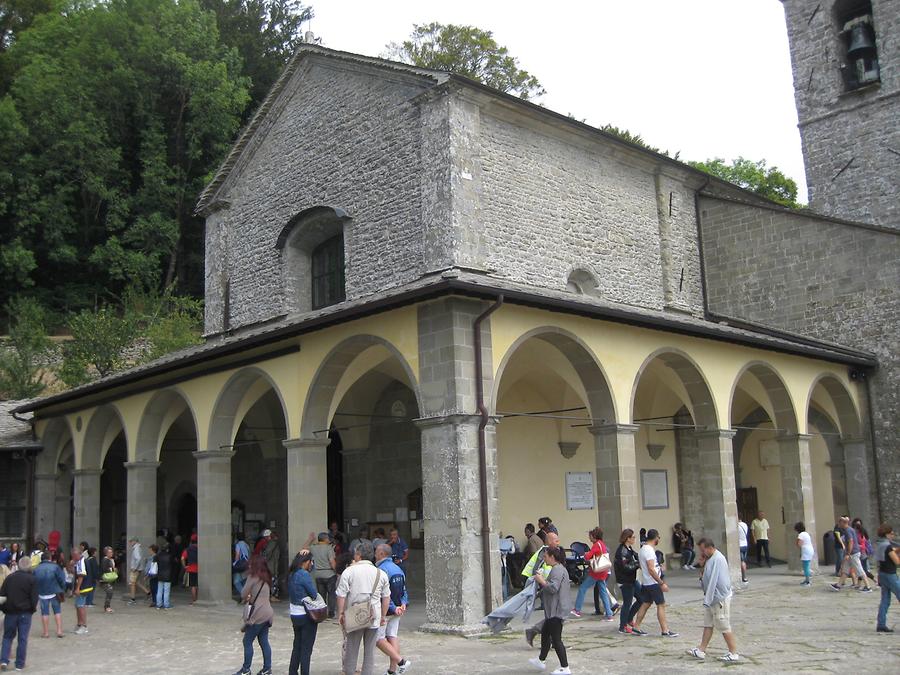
<point x="709" y="78"/>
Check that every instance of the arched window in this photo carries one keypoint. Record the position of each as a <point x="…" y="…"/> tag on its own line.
<point x="856" y="29"/>
<point x="328" y="272"/>
<point x="312" y="259"/>
<point x="582" y="282"/>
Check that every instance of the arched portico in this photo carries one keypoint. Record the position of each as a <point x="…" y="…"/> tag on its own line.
<point x="56" y="437"/>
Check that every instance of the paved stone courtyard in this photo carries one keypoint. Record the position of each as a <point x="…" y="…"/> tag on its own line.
<point x="780" y="628"/>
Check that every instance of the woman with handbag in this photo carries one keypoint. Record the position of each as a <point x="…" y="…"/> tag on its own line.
<point x="258" y="614"/>
<point x="626" y="565"/>
<point x="600" y="564"/>
<point x="305" y="622"/>
<point x="109" y="576"/>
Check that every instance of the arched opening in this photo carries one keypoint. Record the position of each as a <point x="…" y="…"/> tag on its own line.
<point x="364" y="401"/>
<point x="549" y="393"/>
<point x="857" y="46"/>
<point x="763" y="415"/>
<point x="53" y="479"/>
<point x="311" y="246"/>
<point x="113" y="494"/>
<point x="100" y="497"/>
<point x="671" y="403"/>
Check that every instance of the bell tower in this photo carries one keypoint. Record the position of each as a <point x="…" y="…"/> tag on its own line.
<point x="846" y="63"/>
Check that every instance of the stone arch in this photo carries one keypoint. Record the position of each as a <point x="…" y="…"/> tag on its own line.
<point x="703" y="406"/>
<point x="600" y="402"/>
<point x="848" y="415"/>
<point x="151" y="431"/>
<point x="324" y="384"/>
<point x="779" y="397"/>
<point x="56" y="434"/>
<point x="296" y="243"/>
<point x="98" y="438"/>
<point x="583" y="282"/>
<point x="223" y="424"/>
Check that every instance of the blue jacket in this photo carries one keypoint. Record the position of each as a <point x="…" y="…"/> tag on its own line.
<point x="397" y="582"/>
<point x="50" y="578"/>
<point x="301" y="586"/>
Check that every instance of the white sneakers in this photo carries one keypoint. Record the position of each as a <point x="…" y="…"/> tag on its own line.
<point x="697" y="653"/>
<point x="562" y="671"/>
<point x="537" y="664"/>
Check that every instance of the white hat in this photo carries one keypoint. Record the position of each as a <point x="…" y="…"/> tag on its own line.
<point x="267" y="533"/>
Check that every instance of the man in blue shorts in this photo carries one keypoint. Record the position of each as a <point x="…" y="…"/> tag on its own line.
<point x="51" y="581"/>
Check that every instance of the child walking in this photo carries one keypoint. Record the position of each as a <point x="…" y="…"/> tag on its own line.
<point x="557" y="605"/>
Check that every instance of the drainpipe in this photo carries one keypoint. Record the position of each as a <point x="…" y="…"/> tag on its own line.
<point x="482" y="453"/>
<point x="875" y="462"/>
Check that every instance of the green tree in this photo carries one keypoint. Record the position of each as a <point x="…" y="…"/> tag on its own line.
<point x="765" y="181"/>
<point x="636" y="139"/>
<point x="97" y="348"/>
<point x="120" y="110"/>
<point x="24" y="358"/>
<point x="468" y="51"/>
<point x="166" y="322"/>
<point x="264" y="32"/>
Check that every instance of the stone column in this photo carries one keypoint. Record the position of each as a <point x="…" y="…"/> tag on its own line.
<point x="718" y="494"/>
<point x="86" y="524"/>
<point x="796" y="493"/>
<point x="454" y="570"/>
<point x="618" y="502"/>
<point x="859" y="486"/>
<point x="140" y="518"/>
<point x="687" y="456"/>
<point x="214" y="524"/>
<point x="44" y="504"/>
<point x="307" y="473"/>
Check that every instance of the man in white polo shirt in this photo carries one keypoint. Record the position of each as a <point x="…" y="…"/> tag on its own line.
<point x="355" y="586"/>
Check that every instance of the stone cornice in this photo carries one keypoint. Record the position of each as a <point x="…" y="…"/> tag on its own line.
<point x="604" y="429"/>
<point x="213" y="454"/>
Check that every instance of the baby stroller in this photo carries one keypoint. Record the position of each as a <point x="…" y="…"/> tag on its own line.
<point x="576" y="565"/>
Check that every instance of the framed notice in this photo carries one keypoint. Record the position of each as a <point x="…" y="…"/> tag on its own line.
<point x="580" y="490"/>
<point x="654" y="489"/>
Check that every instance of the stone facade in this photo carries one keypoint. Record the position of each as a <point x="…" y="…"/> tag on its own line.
<point x="821" y="278"/>
<point x="851" y="138"/>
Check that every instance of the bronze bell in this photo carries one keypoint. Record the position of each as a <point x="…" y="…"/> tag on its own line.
<point x="861" y="40"/>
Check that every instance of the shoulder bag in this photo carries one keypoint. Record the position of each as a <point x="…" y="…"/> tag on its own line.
<point x="360" y="615"/>
<point x="250" y="606"/>
<point x="601" y="563"/>
<point x="316" y="608"/>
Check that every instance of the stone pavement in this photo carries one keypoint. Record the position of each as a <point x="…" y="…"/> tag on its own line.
<point x="780" y="627"/>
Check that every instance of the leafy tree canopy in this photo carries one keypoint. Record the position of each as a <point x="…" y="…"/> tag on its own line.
<point x="765" y="181"/>
<point x="636" y="139"/>
<point x="468" y="51"/>
<point x="23" y="359"/>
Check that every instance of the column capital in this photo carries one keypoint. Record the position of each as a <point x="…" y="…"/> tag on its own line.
<point x="213" y="454"/>
<point x="605" y="429"/>
<point x="87" y="472"/>
<point x="792" y="438"/>
<point x="852" y="440"/>
<point x="45" y="476"/>
<point x="715" y="433"/>
<point x="306" y="443"/>
<point x="455" y="419"/>
<point x="141" y="465"/>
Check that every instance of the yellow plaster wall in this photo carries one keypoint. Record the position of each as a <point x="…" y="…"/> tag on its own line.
<point x="823" y="497"/>
<point x="767" y="481"/>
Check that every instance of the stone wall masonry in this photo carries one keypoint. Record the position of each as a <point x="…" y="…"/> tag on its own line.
<point x="820" y="278"/>
<point x="343" y="137"/>
<point x="850" y="138"/>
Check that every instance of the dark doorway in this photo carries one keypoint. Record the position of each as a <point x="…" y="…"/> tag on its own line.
<point x="335" y="477"/>
<point x="186" y="515"/>
<point x="748" y="504"/>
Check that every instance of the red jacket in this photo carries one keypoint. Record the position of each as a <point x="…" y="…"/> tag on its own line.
<point x="598" y="549"/>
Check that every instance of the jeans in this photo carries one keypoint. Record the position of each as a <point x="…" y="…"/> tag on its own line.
<point x="588" y="583"/>
<point x="154" y="586"/>
<point x="687" y="556"/>
<point x="762" y="544"/>
<point x="838" y="560"/>
<point x="109" y="595"/>
<point x="625" y="614"/>
<point x="889" y="584"/>
<point x="806" y="564"/>
<point x="260" y="632"/>
<point x="17" y="624"/>
<point x="237" y="580"/>
<point x="551" y="635"/>
<point x="304" y="638"/>
<point x="326" y="588"/>
<point x="163" y="590"/>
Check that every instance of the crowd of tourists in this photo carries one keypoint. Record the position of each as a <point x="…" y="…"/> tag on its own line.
<point x="361" y="584"/>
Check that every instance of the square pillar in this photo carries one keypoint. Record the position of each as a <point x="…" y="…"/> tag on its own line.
<point x="857" y="477"/>
<point x="797" y="493"/>
<point x="140" y="517"/>
<point x="307" y="473"/>
<point x="687" y="458"/>
<point x="718" y="494"/>
<point x="618" y="502"/>
<point x="86" y="521"/>
<point x="44" y="504"/>
<point x="214" y="524"/>
<point x="454" y="570"/>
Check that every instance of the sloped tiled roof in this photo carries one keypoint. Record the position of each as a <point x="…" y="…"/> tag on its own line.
<point x="15" y="433"/>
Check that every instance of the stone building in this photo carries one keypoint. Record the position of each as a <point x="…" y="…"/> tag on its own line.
<point x="436" y="306"/>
